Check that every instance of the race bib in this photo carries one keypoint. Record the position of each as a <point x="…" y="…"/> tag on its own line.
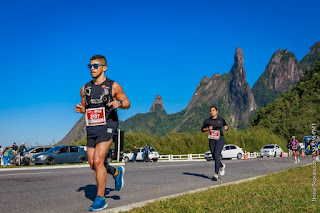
<point x="95" y="116"/>
<point x="214" y="134"/>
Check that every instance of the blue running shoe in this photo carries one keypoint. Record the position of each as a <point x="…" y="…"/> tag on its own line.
<point x="118" y="181"/>
<point x="98" y="204"/>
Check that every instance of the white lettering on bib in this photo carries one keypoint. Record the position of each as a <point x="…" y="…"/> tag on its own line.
<point x="214" y="134"/>
<point x="95" y="116"/>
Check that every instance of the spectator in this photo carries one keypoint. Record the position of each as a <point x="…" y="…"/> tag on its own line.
<point x="146" y="153"/>
<point x="22" y="148"/>
<point x="1" y="155"/>
<point x="15" y="147"/>
<point x="9" y="155"/>
<point x="289" y="149"/>
<point x="135" y="152"/>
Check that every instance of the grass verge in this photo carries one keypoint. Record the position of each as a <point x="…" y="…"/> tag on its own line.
<point x="287" y="191"/>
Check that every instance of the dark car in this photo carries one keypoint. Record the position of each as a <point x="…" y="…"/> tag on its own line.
<point x="61" y="154"/>
<point x="112" y="155"/>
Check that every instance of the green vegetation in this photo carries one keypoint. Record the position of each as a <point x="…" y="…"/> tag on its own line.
<point x="287" y="191"/>
<point x="263" y="95"/>
<point x="309" y="60"/>
<point x="250" y="139"/>
<point x="295" y="111"/>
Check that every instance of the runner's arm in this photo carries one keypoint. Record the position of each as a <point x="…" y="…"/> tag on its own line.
<point x="119" y="95"/>
<point x="81" y="106"/>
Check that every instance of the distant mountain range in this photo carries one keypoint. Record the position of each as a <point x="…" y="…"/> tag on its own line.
<point x="230" y="92"/>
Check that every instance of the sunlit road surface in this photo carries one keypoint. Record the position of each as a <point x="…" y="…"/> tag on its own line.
<point x="74" y="189"/>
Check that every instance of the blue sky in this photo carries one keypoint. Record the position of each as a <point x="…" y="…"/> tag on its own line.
<point x="152" y="47"/>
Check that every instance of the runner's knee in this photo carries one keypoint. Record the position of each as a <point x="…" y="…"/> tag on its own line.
<point x="98" y="162"/>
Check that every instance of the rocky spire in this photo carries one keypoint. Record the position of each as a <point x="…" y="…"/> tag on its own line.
<point x="237" y="69"/>
<point x="157" y="104"/>
<point x="240" y="89"/>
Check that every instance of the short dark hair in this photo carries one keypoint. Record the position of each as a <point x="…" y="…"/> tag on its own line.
<point x="214" y="107"/>
<point x="99" y="57"/>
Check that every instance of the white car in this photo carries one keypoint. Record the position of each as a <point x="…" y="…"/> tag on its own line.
<point x="153" y="155"/>
<point x="228" y="151"/>
<point x="271" y="150"/>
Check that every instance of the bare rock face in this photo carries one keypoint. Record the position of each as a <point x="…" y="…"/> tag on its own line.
<point x="230" y="92"/>
<point x="282" y="72"/>
<point x="240" y="92"/>
<point x="157" y="104"/>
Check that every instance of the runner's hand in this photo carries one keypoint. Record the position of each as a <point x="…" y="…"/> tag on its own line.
<point x="210" y="128"/>
<point x="80" y="108"/>
<point x="115" y="104"/>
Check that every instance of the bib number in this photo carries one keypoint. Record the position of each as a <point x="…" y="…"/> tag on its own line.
<point x="214" y="134"/>
<point x="95" y="116"/>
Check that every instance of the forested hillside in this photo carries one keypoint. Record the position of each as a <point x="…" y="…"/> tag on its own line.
<point x="295" y="111"/>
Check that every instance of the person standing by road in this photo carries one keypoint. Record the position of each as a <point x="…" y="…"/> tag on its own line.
<point x="135" y="152"/>
<point x="15" y="147"/>
<point x="9" y="155"/>
<point x="289" y="148"/>
<point x="215" y="125"/>
<point x="294" y="145"/>
<point x="146" y="151"/>
<point x="1" y="155"/>
<point x="100" y="99"/>
<point x="22" y="148"/>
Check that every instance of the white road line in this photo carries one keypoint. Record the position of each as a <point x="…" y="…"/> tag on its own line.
<point x="177" y="165"/>
<point x="20" y="174"/>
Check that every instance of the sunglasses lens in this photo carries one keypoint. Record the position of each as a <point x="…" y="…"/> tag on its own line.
<point x="89" y="66"/>
<point x="96" y="66"/>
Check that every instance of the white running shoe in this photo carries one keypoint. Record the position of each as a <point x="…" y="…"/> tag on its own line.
<point x="222" y="169"/>
<point x="298" y="160"/>
<point x="295" y="161"/>
<point x="215" y="177"/>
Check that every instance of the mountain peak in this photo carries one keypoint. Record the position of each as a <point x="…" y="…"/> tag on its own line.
<point x="157" y="104"/>
<point x="308" y="61"/>
<point x="237" y="69"/>
<point x="315" y="48"/>
<point x="238" y="57"/>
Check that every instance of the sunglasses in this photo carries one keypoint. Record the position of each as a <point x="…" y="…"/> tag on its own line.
<point x="96" y="66"/>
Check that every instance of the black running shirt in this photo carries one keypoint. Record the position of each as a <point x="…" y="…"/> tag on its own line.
<point x="217" y="124"/>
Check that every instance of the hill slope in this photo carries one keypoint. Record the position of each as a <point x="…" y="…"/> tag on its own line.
<point x="295" y="111"/>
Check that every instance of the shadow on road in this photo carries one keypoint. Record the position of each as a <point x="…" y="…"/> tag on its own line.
<point x="90" y="192"/>
<point x="197" y="175"/>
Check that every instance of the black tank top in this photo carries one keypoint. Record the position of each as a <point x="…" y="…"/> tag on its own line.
<point x="100" y="96"/>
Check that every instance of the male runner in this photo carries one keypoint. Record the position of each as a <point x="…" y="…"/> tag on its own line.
<point x="100" y="99"/>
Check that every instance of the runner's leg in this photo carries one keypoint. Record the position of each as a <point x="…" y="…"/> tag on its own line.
<point x="99" y="155"/>
<point x="218" y="150"/>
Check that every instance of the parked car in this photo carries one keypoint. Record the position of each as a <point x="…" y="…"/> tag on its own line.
<point x="153" y="155"/>
<point x="228" y="151"/>
<point x="112" y="155"/>
<point x="61" y="154"/>
<point x="29" y="153"/>
<point x="271" y="150"/>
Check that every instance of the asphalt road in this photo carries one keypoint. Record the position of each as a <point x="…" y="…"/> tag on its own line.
<point x="74" y="189"/>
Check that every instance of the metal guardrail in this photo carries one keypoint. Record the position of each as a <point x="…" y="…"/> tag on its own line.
<point x="201" y="156"/>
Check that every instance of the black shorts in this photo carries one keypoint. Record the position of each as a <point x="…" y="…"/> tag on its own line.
<point x="92" y="142"/>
